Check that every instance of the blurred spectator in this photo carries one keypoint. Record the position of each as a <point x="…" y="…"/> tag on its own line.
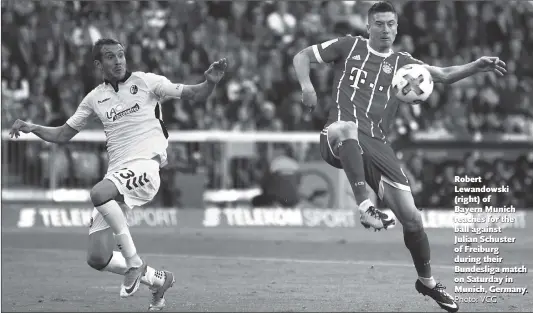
<point x="268" y="116"/>
<point x="431" y="172"/>
<point x="281" y="180"/>
<point x="282" y="22"/>
<point x="260" y="39"/>
<point x="242" y="155"/>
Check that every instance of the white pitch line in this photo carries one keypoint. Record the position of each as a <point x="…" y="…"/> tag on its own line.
<point x="260" y="259"/>
<point x="105" y="288"/>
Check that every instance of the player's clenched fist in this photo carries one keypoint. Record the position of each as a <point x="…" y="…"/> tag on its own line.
<point x="216" y="71"/>
<point x="19" y="126"/>
<point x="309" y="99"/>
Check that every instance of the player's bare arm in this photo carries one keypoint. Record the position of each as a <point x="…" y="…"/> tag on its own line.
<point x="452" y="74"/>
<point x="326" y="52"/>
<point x="302" y="66"/>
<point x="59" y="134"/>
<point x="201" y="91"/>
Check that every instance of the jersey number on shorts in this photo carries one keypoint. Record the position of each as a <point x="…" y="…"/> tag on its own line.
<point x="133" y="181"/>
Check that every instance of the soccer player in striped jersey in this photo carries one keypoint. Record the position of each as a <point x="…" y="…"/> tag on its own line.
<point x="354" y="137"/>
<point x="128" y="106"/>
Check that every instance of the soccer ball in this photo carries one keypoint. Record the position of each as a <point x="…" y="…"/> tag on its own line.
<point x="412" y="83"/>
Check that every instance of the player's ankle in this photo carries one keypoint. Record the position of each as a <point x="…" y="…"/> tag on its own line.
<point x="428" y="282"/>
<point x="363" y="206"/>
<point x="153" y="278"/>
<point x="159" y="278"/>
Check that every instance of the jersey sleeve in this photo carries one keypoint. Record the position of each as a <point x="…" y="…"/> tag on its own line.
<point x="333" y="50"/>
<point x="83" y="114"/>
<point x="407" y="58"/>
<point x="162" y="87"/>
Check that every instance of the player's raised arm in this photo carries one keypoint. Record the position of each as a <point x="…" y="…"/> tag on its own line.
<point x="302" y="66"/>
<point x="60" y="134"/>
<point x="198" y="92"/>
<point x="452" y="74"/>
<point x="326" y="52"/>
<point x="301" y="62"/>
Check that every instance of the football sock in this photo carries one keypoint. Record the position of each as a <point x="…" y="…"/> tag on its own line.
<point x="365" y="205"/>
<point x="155" y="278"/>
<point x="428" y="282"/>
<point x="418" y="244"/>
<point x="127" y="248"/>
<point x="117" y="265"/>
<point x="352" y="163"/>
<point x="113" y="215"/>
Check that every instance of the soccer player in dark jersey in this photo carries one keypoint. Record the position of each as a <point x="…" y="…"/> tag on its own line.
<point x="354" y="137"/>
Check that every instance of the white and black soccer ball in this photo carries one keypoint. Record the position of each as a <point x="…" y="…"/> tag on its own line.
<point x="412" y="83"/>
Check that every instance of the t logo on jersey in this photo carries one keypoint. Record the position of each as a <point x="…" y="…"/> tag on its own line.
<point x="357" y="77"/>
<point x="134" y="89"/>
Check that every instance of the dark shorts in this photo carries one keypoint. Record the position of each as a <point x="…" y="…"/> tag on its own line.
<point x="380" y="162"/>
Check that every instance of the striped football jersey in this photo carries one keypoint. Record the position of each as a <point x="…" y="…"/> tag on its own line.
<point x="362" y="83"/>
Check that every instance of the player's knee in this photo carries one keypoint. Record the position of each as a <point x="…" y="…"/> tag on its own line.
<point x="100" y="248"/>
<point x="414" y="222"/>
<point x="343" y="131"/>
<point x="103" y="192"/>
<point x="98" y="261"/>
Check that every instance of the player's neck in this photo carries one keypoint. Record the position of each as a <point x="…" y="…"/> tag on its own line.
<point x="114" y="81"/>
<point x="377" y="47"/>
<point x="110" y="80"/>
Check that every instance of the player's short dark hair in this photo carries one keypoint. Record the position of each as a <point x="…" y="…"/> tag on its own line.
<point x="97" y="47"/>
<point x="381" y="7"/>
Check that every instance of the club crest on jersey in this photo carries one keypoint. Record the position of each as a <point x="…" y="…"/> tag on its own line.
<point x="387" y="68"/>
<point x="114" y="114"/>
<point x="134" y="89"/>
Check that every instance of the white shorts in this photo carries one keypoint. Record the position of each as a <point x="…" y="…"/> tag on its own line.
<point x="138" y="182"/>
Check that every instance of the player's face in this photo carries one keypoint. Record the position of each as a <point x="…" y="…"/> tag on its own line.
<point x="382" y="29"/>
<point x="113" y="62"/>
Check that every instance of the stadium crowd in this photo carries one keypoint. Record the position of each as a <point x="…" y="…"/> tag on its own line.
<point x="438" y="177"/>
<point x="47" y="65"/>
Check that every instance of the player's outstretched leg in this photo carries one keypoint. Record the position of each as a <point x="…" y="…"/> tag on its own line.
<point x="416" y="240"/>
<point x="343" y="139"/>
<point x="100" y="256"/>
<point x="102" y="196"/>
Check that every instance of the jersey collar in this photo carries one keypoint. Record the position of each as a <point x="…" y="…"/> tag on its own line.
<point x="383" y="55"/>
<point x="126" y="76"/>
